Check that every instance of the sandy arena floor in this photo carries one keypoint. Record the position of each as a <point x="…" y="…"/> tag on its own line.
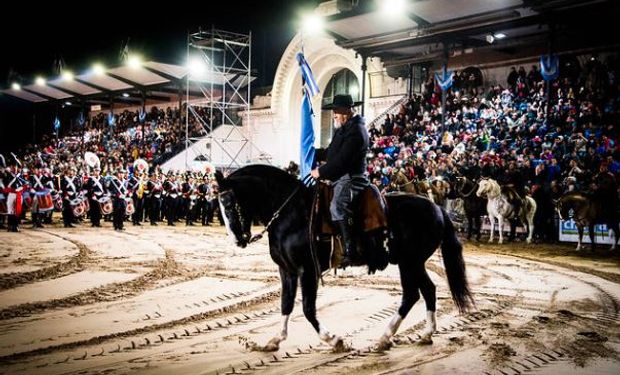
<point x="163" y="300"/>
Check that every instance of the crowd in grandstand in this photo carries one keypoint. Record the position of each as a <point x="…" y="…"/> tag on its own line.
<point x="506" y="132"/>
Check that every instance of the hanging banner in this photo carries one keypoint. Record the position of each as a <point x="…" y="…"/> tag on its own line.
<point x="445" y="79"/>
<point x="549" y="67"/>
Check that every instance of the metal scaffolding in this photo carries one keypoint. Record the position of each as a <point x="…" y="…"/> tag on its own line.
<point x="220" y="67"/>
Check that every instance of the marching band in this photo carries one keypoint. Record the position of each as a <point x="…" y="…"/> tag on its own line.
<point x="127" y="194"/>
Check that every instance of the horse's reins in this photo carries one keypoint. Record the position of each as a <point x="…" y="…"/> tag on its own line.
<point x="399" y="186"/>
<point x="472" y="189"/>
<point x="276" y="214"/>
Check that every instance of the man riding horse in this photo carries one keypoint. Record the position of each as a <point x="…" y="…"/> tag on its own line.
<point x="345" y="168"/>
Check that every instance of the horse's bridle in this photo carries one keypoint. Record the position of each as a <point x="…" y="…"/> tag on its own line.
<point x="460" y="189"/>
<point x="236" y="210"/>
<point x="256" y="237"/>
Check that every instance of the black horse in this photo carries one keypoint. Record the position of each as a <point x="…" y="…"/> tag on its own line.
<point x="282" y="203"/>
<point x="475" y="206"/>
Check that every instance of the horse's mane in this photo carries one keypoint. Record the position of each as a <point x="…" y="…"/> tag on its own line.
<point x="273" y="174"/>
<point x="574" y="195"/>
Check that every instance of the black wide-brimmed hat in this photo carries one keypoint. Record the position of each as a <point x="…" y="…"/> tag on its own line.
<point x="342" y="101"/>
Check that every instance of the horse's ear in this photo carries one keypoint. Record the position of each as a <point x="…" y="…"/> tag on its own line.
<point x="219" y="177"/>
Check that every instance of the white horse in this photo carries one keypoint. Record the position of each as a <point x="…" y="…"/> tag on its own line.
<point x="499" y="207"/>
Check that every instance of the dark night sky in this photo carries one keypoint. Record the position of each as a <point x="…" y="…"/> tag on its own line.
<point x="30" y="44"/>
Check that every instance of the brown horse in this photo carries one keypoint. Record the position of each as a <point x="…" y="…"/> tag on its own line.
<point x="436" y="191"/>
<point x="586" y="211"/>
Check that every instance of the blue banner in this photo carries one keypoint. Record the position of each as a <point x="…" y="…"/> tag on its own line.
<point x="56" y="124"/>
<point x="311" y="88"/>
<point x="445" y="79"/>
<point x="549" y="67"/>
<point x="81" y="120"/>
<point x="111" y="119"/>
<point x="307" y="76"/>
<point x="141" y="116"/>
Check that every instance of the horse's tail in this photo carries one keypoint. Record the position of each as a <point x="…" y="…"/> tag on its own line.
<point x="452" y="252"/>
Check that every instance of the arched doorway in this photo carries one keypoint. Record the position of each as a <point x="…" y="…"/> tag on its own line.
<point x="342" y="82"/>
<point x="471" y="78"/>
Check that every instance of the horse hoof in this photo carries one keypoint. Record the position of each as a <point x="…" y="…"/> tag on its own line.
<point x="425" y="340"/>
<point x="272" y="346"/>
<point x="338" y="346"/>
<point x="383" y="345"/>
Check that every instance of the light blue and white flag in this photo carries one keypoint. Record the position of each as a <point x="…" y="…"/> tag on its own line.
<point x="311" y="88"/>
<point x="549" y="67"/>
<point x="445" y="79"/>
<point x="111" y="119"/>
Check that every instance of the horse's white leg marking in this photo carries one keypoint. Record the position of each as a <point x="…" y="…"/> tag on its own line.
<point x="500" y="228"/>
<point x="431" y="325"/>
<point x="331" y="339"/>
<point x="391" y="329"/>
<point x="284" y="332"/>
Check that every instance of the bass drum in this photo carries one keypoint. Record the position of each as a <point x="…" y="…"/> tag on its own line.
<point x="78" y="207"/>
<point x="57" y="201"/>
<point x="129" y="208"/>
<point x="105" y="205"/>
<point x="44" y="201"/>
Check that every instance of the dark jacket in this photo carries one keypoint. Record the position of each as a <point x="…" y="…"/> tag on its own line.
<point x="347" y="151"/>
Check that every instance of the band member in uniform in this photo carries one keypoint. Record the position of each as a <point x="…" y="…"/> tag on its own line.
<point x="153" y="192"/>
<point x="95" y="187"/>
<point x="117" y="186"/>
<point x="2" y="193"/>
<point x="202" y="203"/>
<point x="36" y="185"/>
<point x="187" y="189"/>
<point x="172" y="192"/>
<point x="69" y="185"/>
<point x="49" y="182"/>
<point x="136" y="189"/>
<point x="14" y="186"/>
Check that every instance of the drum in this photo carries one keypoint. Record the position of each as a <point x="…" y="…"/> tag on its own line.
<point x="27" y="199"/>
<point x="129" y="208"/>
<point x="78" y="207"/>
<point x="86" y="204"/>
<point x="57" y="201"/>
<point x="44" y="201"/>
<point x="105" y="205"/>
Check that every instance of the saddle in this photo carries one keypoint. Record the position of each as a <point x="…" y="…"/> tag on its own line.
<point x="516" y="200"/>
<point x="369" y="215"/>
<point x="370" y="222"/>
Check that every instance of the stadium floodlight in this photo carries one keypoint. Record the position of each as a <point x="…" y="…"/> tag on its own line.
<point x="392" y="7"/>
<point x="39" y="81"/>
<point x="67" y="75"/>
<point x="98" y="69"/>
<point x="16" y="86"/>
<point x="312" y="24"/>
<point x="197" y="67"/>
<point x="68" y="103"/>
<point x="134" y="62"/>
<point x="499" y="35"/>
<point x="125" y="95"/>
